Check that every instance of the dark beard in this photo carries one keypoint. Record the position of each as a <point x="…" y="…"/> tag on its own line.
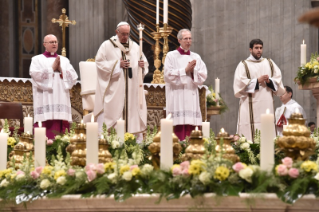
<point x="255" y="56"/>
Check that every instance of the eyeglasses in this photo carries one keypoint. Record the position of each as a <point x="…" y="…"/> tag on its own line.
<point x="124" y="34"/>
<point x="52" y="42"/>
<point x="187" y="39"/>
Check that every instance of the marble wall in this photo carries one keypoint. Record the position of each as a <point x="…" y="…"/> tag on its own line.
<point x="222" y="31"/>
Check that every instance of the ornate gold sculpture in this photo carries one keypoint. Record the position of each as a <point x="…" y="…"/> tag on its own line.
<point x="157" y="62"/>
<point x="104" y="154"/>
<point x="25" y="146"/>
<point x="227" y="150"/>
<point x="296" y="141"/>
<point x="77" y="146"/>
<point x="196" y="148"/>
<point x="165" y="32"/>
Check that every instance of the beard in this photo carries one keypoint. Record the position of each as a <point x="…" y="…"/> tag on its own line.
<point x="256" y="56"/>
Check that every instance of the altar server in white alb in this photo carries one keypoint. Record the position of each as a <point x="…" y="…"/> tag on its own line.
<point x="52" y="78"/>
<point x="288" y="107"/>
<point x="118" y="65"/>
<point x="256" y="80"/>
<point x="184" y="72"/>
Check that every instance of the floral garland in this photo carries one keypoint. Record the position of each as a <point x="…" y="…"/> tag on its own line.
<point x="212" y="101"/>
<point x="309" y="70"/>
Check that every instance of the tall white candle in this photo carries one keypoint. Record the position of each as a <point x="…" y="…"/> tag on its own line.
<point x="217" y="89"/>
<point x="28" y="124"/>
<point x="206" y="129"/>
<point x="165" y="11"/>
<point x="303" y="53"/>
<point x="39" y="145"/>
<point x="92" y="142"/>
<point x="140" y="75"/>
<point x="157" y="11"/>
<point x="267" y="133"/>
<point x="166" y="143"/>
<point x="3" y="150"/>
<point x="120" y="129"/>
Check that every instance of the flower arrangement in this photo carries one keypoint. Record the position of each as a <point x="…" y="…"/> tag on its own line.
<point x="212" y="101"/>
<point x="309" y="70"/>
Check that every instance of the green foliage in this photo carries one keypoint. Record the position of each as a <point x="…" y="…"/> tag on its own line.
<point x="308" y="70"/>
<point x="212" y="101"/>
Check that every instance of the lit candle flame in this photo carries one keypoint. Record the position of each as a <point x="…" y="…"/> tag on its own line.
<point x="303" y="41"/>
<point x="82" y="121"/>
<point x="297" y="110"/>
<point x="2" y="131"/>
<point x="196" y="128"/>
<point x="28" y="115"/>
<point x="28" y="132"/>
<point x="40" y="124"/>
<point x="81" y="135"/>
<point x="102" y="136"/>
<point x="92" y="118"/>
<point x="169" y="116"/>
<point x="267" y="111"/>
<point x="222" y="130"/>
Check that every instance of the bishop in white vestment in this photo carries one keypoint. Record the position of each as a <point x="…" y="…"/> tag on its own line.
<point x="256" y="80"/>
<point x="118" y="66"/>
<point x="52" y="78"/>
<point x="184" y="71"/>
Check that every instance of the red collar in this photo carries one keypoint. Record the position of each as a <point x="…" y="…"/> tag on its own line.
<point x="48" y="54"/>
<point x="182" y="52"/>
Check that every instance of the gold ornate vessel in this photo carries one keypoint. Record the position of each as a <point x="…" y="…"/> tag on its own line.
<point x="296" y="141"/>
<point x="196" y="148"/>
<point x="104" y="154"/>
<point x="226" y="149"/>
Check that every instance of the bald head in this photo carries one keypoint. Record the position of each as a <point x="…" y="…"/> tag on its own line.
<point x="50" y="43"/>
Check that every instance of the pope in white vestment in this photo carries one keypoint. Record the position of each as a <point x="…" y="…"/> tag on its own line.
<point x="117" y="96"/>
<point x="52" y="78"/>
<point x="184" y="71"/>
<point x="256" y="80"/>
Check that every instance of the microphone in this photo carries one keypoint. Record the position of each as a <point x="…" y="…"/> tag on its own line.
<point x="130" y="74"/>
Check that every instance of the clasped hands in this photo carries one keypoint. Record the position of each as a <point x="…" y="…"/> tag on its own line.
<point x="126" y="63"/>
<point x="263" y="78"/>
<point x="190" y="66"/>
<point x="57" y="65"/>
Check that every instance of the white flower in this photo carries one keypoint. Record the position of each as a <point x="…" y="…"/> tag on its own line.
<point x="115" y="144"/>
<point x="315" y="67"/>
<point x="57" y="137"/>
<point x="20" y="177"/>
<point x="242" y="140"/>
<point x="254" y="168"/>
<point x="146" y="170"/>
<point x="244" y="146"/>
<point x="45" y="184"/>
<point x="4" y="183"/>
<point x="204" y="177"/>
<point x="79" y="174"/>
<point x="112" y="177"/>
<point x="127" y="175"/>
<point x="316" y="177"/>
<point x="61" y="180"/>
<point x="246" y="174"/>
<point x="315" y="139"/>
<point x="65" y="138"/>
<point x="315" y="71"/>
<point x="249" y="141"/>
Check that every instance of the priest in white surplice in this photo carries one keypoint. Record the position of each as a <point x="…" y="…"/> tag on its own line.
<point x="256" y="80"/>
<point x="183" y="72"/>
<point x="117" y="91"/>
<point x="288" y="107"/>
<point x="52" y="78"/>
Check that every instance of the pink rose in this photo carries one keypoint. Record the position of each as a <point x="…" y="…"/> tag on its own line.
<point x="177" y="171"/>
<point x="90" y="166"/>
<point x="20" y="172"/>
<point x="34" y="174"/>
<point x="282" y="170"/>
<point x="318" y="58"/>
<point x="236" y="137"/>
<point x="39" y="169"/>
<point x="287" y="161"/>
<point x="184" y="165"/>
<point x="100" y="168"/>
<point x="71" y="172"/>
<point x="293" y="172"/>
<point x="238" y="166"/>
<point x="185" y="172"/>
<point x="49" y="142"/>
<point x="91" y="175"/>
<point x="133" y="167"/>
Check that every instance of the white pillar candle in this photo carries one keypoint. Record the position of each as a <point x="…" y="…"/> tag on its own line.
<point x="284" y="126"/>
<point x="120" y="129"/>
<point x="39" y="145"/>
<point x="3" y="150"/>
<point x="166" y="143"/>
<point x="217" y="88"/>
<point x="140" y="27"/>
<point x="267" y="133"/>
<point x="165" y="11"/>
<point x="303" y="53"/>
<point x="206" y="129"/>
<point x="92" y="142"/>
<point x="28" y="124"/>
<point x="157" y="11"/>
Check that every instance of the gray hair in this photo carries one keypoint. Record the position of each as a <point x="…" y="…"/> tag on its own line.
<point x="48" y="36"/>
<point x="179" y="34"/>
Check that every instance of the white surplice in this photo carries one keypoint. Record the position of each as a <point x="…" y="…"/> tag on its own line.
<point x="291" y="107"/>
<point x="110" y="89"/>
<point x="182" y="96"/>
<point x="51" y="96"/>
<point x="262" y="99"/>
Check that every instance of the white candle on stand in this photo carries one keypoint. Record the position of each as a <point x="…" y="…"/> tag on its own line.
<point x="157" y="11"/>
<point x="303" y="53"/>
<point x="39" y="145"/>
<point x="165" y="11"/>
<point x="3" y="150"/>
<point x="92" y="142"/>
<point x="28" y="124"/>
<point x="217" y="88"/>
<point x="166" y="143"/>
<point x="140" y="27"/>
<point x="206" y="129"/>
<point x="267" y="134"/>
<point x="120" y="129"/>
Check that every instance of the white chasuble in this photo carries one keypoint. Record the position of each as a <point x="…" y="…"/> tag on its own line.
<point x="287" y="110"/>
<point x="181" y="88"/>
<point x="261" y="98"/>
<point x="51" y="96"/>
<point x="110" y="89"/>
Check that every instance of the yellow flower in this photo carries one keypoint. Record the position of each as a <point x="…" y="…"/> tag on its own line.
<point x="221" y="173"/>
<point x="205" y="140"/>
<point x="196" y="167"/>
<point x="214" y="95"/>
<point x="136" y="171"/>
<point x="59" y="174"/>
<point x="13" y="176"/>
<point x="175" y="166"/>
<point x="308" y="166"/>
<point x="11" y="141"/>
<point x="128" y="136"/>
<point x="124" y="169"/>
<point x="5" y="173"/>
<point x="109" y="166"/>
<point x="47" y="170"/>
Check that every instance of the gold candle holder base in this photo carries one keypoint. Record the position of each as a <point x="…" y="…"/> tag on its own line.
<point x="104" y="154"/>
<point x="226" y="149"/>
<point x="165" y="32"/>
<point x="196" y="149"/>
<point x="157" y="62"/>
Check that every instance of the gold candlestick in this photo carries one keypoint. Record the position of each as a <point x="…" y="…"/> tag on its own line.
<point x="165" y="32"/>
<point x="157" y="62"/>
<point x="227" y="150"/>
<point x="196" y="148"/>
